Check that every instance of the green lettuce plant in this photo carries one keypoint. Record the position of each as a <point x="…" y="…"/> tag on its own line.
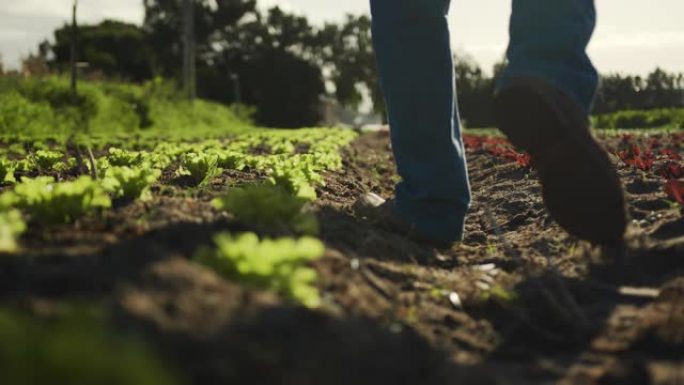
<point x="7" y="168"/>
<point x="119" y="157"/>
<point x="268" y="208"/>
<point x="129" y="184"/>
<point x="46" y="160"/>
<point x="199" y="167"/>
<point x="77" y="349"/>
<point x="49" y="202"/>
<point x="279" y="265"/>
<point x="12" y="225"/>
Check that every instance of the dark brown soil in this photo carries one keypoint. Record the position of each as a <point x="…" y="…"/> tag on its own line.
<point x="496" y="309"/>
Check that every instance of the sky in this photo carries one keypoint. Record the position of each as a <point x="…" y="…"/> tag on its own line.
<point x="630" y="37"/>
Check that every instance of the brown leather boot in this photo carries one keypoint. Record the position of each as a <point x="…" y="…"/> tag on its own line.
<point x="381" y="213"/>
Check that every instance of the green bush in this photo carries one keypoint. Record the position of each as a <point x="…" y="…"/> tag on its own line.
<point x="18" y="114"/>
<point x="46" y="106"/>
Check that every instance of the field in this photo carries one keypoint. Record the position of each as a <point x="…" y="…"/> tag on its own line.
<point x="232" y="256"/>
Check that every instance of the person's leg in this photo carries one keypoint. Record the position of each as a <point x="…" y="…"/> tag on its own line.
<point x="548" y="39"/>
<point x="412" y="45"/>
<point x="542" y="104"/>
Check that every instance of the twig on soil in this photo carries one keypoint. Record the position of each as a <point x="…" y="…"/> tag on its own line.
<point x="93" y="163"/>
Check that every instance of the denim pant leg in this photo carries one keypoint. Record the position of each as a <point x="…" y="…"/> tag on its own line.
<point x="412" y="46"/>
<point x="548" y="40"/>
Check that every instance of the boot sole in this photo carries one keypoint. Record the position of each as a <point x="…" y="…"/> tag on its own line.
<point x="580" y="186"/>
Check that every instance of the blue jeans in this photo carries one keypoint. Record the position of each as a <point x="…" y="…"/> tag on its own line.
<point x="412" y="45"/>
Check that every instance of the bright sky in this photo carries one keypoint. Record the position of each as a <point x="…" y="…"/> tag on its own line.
<point x="633" y="36"/>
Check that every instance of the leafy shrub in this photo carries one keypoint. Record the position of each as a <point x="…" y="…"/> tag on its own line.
<point x="130" y="183"/>
<point x="18" y="114"/>
<point x="199" y="167"/>
<point x="48" y="202"/>
<point x="74" y="112"/>
<point x="11" y="226"/>
<point x="278" y="265"/>
<point x="268" y="208"/>
<point x="77" y="350"/>
<point x="46" y="106"/>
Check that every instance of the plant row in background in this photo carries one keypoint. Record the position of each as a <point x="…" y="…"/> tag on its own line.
<point x="671" y="118"/>
<point x="498" y="147"/>
<point x="45" y="184"/>
<point x="647" y="154"/>
<point x="655" y="157"/>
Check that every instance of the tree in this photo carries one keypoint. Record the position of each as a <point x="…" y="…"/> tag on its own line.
<point x="272" y="56"/>
<point x="347" y="51"/>
<point x="663" y="90"/>
<point x="475" y="92"/>
<point x="164" y="25"/>
<point x="115" y="48"/>
<point x="659" y="89"/>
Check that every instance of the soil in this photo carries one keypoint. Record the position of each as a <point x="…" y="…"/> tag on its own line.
<point x="518" y="302"/>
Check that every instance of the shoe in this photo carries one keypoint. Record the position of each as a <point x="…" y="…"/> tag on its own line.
<point x="382" y="213"/>
<point x="580" y="185"/>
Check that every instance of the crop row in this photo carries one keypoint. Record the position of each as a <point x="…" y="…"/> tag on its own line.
<point x="50" y="182"/>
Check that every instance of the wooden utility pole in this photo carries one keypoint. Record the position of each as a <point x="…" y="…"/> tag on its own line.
<point x="189" y="69"/>
<point x="74" y="59"/>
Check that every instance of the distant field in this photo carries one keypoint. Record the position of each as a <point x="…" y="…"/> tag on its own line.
<point x="148" y="240"/>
